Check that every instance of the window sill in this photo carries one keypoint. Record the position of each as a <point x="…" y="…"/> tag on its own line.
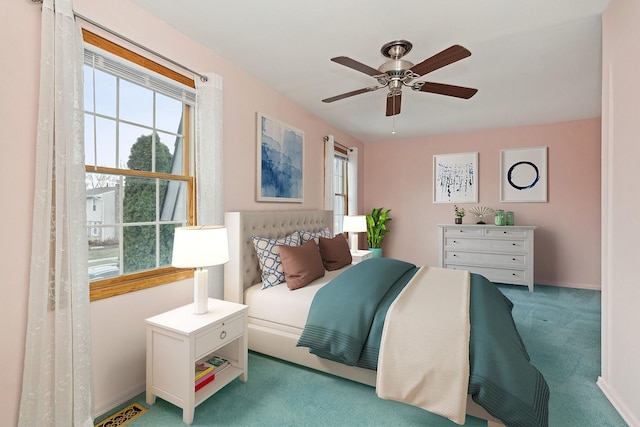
<point x="107" y="288"/>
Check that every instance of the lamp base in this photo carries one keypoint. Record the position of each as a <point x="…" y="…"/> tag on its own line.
<point x="200" y="291"/>
<point x="353" y="237"/>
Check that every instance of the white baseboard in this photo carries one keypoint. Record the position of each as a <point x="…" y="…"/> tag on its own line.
<point x="114" y="401"/>
<point x="624" y="412"/>
<point x="590" y="287"/>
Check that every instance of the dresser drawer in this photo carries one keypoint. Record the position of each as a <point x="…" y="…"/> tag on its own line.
<point x="487" y="259"/>
<point x="502" y="254"/>
<point x="496" y="275"/>
<point x="487" y="245"/>
<point x="463" y="232"/>
<point x="218" y="335"/>
<point x="506" y="233"/>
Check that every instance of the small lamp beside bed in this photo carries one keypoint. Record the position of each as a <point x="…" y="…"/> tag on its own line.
<point x="354" y="224"/>
<point x="198" y="247"/>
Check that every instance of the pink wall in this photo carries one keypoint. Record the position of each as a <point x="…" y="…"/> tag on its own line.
<point x="119" y="322"/>
<point x="121" y="374"/>
<point x="399" y="175"/>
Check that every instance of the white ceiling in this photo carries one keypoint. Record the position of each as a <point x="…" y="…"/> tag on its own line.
<point x="533" y="61"/>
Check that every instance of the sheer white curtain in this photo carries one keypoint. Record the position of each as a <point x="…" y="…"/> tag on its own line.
<point x="209" y="167"/>
<point x="329" y="192"/>
<point x="352" y="181"/>
<point x="56" y="389"/>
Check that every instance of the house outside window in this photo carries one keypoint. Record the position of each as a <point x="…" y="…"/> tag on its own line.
<point x="139" y="179"/>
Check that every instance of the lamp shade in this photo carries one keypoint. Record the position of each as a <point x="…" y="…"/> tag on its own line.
<point x="354" y="223"/>
<point x="200" y="246"/>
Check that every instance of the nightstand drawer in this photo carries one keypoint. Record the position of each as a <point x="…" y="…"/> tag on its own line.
<point x="218" y="336"/>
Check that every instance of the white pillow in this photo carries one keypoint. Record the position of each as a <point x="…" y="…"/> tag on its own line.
<point x="269" y="257"/>
<point x="305" y="236"/>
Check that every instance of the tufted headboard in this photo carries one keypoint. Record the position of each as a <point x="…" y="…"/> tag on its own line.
<point x="242" y="270"/>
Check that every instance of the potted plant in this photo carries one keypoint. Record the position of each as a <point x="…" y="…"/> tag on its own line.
<point x="459" y="213"/>
<point x="376" y="229"/>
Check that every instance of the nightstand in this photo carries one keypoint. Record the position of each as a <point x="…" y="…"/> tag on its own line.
<point x="360" y="255"/>
<point x="177" y="339"/>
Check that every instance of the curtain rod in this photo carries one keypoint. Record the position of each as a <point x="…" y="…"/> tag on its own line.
<point x="326" y="138"/>
<point x="136" y="44"/>
<point x="128" y="40"/>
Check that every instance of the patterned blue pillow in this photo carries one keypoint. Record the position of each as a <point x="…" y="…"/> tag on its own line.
<point x="305" y="236"/>
<point x="269" y="257"/>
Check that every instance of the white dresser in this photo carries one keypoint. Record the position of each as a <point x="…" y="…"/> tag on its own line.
<point x="502" y="254"/>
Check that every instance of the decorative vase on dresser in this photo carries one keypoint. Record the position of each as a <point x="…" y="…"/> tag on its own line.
<point x="499" y="253"/>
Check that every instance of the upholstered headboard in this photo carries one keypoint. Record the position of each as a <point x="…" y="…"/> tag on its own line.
<point x="242" y="270"/>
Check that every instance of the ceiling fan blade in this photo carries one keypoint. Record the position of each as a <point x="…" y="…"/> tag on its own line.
<point x="439" y="60"/>
<point x="449" y="90"/>
<point x="352" y="93"/>
<point x="358" y="66"/>
<point x="393" y="104"/>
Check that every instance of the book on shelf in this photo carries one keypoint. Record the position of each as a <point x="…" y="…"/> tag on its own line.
<point x="205" y="377"/>
<point x="219" y="362"/>
<point x="204" y="381"/>
<point x="202" y="369"/>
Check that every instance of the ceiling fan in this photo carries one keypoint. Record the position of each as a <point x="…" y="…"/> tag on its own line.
<point x="397" y="72"/>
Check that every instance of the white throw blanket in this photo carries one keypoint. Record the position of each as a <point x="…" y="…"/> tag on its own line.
<point x="424" y="353"/>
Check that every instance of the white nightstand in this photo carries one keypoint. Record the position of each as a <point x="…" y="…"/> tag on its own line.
<point x="360" y="255"/>
<point x="177" y="339"/>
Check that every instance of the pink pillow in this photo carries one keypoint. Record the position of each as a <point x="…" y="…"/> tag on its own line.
<point x="301" y="264"/>
<point x="335" y="252"/>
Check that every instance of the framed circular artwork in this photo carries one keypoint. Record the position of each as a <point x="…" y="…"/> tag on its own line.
<point x="523" y="175"/>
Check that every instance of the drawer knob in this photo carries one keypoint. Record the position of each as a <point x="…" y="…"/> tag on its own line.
<point x="513" y="244"/>
<point x="455" y="255"/>
<point x="455" y="241"/>
<point x="223" y="335"/>
<point x="513" y="259"/>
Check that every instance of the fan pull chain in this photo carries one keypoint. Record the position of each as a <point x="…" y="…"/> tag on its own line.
<point x="393" y="118"/>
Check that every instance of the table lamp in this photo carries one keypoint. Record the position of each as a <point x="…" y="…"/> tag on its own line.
<point x="198" y="247"/>
<point x="354" y="224"/>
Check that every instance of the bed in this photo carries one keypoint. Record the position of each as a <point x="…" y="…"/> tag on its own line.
<point x="275" y="322"/>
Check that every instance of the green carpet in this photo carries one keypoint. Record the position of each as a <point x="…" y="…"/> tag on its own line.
<point x="560" y="326"/>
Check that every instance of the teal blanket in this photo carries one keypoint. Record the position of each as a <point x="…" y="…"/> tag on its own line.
<point x="347" y="316"/>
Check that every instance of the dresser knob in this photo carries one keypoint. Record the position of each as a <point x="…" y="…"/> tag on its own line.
<point x="513" y="259"/>
<point x="513" y="244"/>
<point x="223" y="335"/>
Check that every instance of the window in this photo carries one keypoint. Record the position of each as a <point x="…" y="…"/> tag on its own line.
<point x="340" y="187"/>
<point x="138" y="139"/>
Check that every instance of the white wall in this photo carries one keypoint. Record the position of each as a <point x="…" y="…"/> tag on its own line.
<point x="621" y="208"/>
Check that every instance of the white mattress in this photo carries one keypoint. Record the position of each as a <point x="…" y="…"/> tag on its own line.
<point x="282" y="306"/>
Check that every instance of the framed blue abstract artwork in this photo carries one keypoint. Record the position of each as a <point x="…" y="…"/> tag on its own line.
<point x="455" y="178"/>
<point x="523" y="175"/>
<point x="280" y="161"/>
